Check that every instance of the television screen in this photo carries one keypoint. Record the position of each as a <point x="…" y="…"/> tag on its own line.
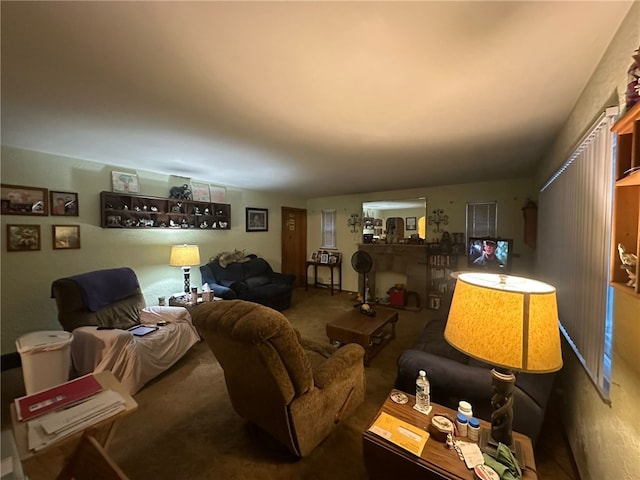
<point x="493" y="254"/>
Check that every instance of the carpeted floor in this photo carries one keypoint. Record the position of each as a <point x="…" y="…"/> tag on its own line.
<point x="185" y="427"/>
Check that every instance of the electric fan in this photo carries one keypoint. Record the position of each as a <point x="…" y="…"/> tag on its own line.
<point x="362" y="262"/>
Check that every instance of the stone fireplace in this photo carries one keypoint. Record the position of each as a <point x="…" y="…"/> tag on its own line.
<point x="410" y="260"/>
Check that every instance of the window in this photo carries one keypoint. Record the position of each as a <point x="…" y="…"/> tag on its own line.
<point x="482" y="219"/>
<point x="574" y="231"/>
<point x="328" y="229"/>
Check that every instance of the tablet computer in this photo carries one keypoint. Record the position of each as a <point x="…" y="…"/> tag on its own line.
<point x="142" y="330"/>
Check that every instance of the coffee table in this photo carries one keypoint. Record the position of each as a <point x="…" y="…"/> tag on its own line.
<point x="372" y="333"/>
<point x="384" y="460"/>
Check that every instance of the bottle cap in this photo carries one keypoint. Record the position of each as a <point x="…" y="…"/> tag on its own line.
<point x="460" y="418"/>
<point x="422" y="373"/>
<point x="474" y="422"/>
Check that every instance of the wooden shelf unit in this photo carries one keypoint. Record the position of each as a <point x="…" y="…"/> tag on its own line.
<point x="440" y="266"/>
<point x="626" y="201"/>
<point x="120" y="210"/>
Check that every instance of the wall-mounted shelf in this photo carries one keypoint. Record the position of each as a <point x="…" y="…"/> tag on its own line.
<point x="120" y="210"/>
<point x="626" y="202"/>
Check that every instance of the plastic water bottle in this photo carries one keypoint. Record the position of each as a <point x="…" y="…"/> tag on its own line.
<point x="423" y="393"/>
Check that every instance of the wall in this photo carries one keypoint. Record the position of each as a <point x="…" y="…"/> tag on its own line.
<point x="605" y="440"/>
<point x="511" y="196"/>
<point x="26" y="276"/>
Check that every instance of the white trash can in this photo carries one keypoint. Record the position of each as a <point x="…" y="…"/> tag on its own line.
<point x="46" y="359"/>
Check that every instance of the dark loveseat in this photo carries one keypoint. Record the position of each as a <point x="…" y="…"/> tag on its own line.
<point x="454" y="376"/>
<point x="250" y="279"/>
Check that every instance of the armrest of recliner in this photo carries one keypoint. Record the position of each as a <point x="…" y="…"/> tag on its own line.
<point x="221" y="291"/>
<point x="445" y="375"/>
<point x="340" y="365"/>
<point x="283" y="278"/>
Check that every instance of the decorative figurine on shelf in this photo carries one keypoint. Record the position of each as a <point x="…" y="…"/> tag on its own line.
<point x="154" y="209"/>
<point x="177" y="208"/>
<point x="183" y="192"/>
<point x="633" y="87"/>
<point x="206" y="211"/>
<point x="629" y="262"/>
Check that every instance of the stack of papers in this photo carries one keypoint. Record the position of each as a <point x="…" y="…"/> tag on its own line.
<point x="51" y="427"/>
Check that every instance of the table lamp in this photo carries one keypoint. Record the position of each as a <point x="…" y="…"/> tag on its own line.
<point x="184" y="256"/>
<point x="511" y="323"/>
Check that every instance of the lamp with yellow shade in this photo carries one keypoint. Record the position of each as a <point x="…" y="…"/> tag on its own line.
<point x="185" y="256"/>
<point x="511" y="323"/>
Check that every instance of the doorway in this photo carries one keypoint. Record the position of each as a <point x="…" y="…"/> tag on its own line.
<point x="294" y="243"/>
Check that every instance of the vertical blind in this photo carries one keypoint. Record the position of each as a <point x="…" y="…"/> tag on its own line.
<point x="482" y="219"/>
<point x="328" y="229"/>
<point x="574" y="247"/>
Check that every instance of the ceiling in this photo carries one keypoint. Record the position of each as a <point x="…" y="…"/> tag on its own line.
<point x="305" y="98"/>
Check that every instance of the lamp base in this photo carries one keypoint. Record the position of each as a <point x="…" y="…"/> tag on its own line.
<point x="489" y="446"/>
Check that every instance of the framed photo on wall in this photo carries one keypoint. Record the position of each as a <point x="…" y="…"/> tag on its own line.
<point x="410" y="223"/>
<point x="123" y="182"/>
<point x="64" y="203"/>
<point x="217" y="194"/>
<point x="257" y="219"/>
<point x="200" y="192"/>
<point x="18" y="200"/>
<point x="23" y="238"/>
<point x="65" y="237"/>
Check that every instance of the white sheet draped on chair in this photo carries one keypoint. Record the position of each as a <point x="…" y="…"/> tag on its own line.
<point x="135" y="360"/>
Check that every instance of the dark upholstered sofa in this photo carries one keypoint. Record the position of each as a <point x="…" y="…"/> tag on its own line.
<point x="251" y="279"/>
<point x="454" y="376"/>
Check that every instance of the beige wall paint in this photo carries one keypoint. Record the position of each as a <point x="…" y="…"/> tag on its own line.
<point x="511" y="196"/>
<point x="26" y="276"/>
<point x="605" y="439"/>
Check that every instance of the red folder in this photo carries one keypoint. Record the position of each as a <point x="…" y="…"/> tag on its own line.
<point x="65" y="394"/>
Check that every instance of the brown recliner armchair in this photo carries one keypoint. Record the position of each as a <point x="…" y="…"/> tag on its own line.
<point x="293" y="389"/>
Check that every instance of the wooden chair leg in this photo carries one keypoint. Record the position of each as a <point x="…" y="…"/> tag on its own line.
<point x="91" y="462"/>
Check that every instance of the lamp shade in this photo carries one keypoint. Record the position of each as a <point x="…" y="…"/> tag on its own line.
<point x="184" y="256"/>
<point x="506" y="321"/>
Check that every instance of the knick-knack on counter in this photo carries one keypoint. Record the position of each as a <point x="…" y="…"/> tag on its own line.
<point x="633" y="87"/>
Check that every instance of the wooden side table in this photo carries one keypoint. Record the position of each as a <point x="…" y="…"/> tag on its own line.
<point x="49" y="462"/>
<point x="384" y="460"/>
<point x="330" y="266"/>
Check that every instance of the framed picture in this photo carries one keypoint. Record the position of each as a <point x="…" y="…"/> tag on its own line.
<point x="23" y="238"/>
<point x="324" y="258"/>
<point x="314" y="256"/>
<point x="64" y="203"/>
<point x="17" y="200"/>
<point x="410" y="223"/>
<point x="123" y="182"/>
<point x="334" y="257"/>
<point x="65" y="236"/>
<point x="200" y="192"/>
<point x="217" y="194"/>
<point x="257" y="219"/>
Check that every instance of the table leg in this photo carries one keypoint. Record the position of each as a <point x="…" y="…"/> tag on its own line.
<point x="331" y="268"/>
<point x="315" y="276"/>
